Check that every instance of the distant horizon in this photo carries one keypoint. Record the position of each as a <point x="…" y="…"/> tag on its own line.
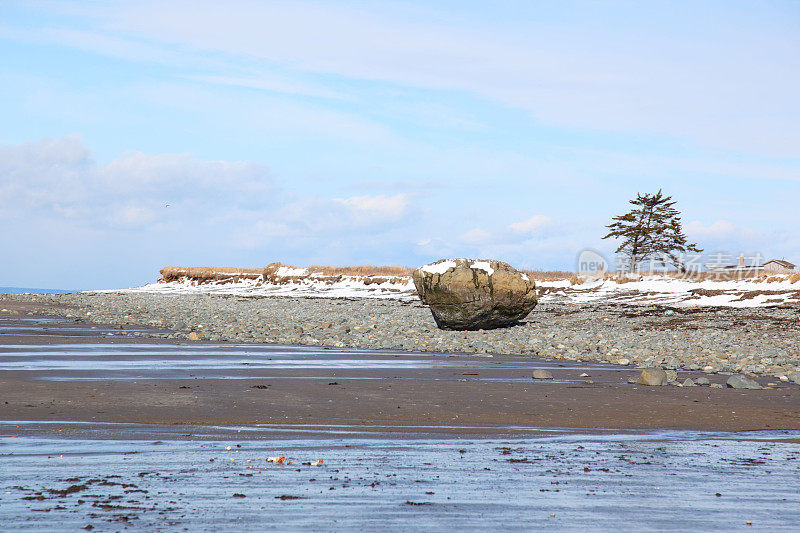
<point x="142" y="134"/>
<point x="32" y="290"/>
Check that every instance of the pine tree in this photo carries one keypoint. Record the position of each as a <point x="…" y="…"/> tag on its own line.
<point x="653" y="227"/>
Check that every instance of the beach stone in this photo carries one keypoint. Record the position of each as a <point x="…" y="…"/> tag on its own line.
<point x="468" y="294"/>
<point x="672" y="362"/>
<point x="671" y="375"/>
<point x="702" y="381"/>
<point x="739" y="381"/>
<point x="193" y="336"/>
<point x="794" y="376"/>
<point x="652" y="377"/>
<point x="688" y="383"/>
<point x="542" y="374"/>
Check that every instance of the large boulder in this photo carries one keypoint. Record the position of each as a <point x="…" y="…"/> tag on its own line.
<point x="653" y="377"/>
<point x="469" y="294"/>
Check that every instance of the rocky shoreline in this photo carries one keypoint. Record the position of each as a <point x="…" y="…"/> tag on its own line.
<point x="760" y="341"/>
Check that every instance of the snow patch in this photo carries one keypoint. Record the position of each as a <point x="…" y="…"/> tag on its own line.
<point x="483" y="265"/>
<point x="438" y="268"/>
<point x="285" y="271"/>
<point x="394" y="288"/>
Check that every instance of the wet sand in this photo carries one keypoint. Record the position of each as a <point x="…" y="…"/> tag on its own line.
<point x="662" y="481"/>
<point x="103" y="429"/>
<point x="108" y="376"/>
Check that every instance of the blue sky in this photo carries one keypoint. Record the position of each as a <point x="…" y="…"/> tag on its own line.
<point x="141" y="134"/>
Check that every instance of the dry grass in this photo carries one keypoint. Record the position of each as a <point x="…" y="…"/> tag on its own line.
<point x="207" y="274"/>
<point x="363" y="270"/>
<point x="366" y="274"/>
<point x="332" y="271"/>
<point x="552" y="275"/>
<point x="380" y="274"/>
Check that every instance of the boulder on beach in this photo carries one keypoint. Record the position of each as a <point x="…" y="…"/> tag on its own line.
<point x="469" y="294"/>
<point x="652" y="377"/>
<point x="738" y="381"/>
<point x="540" y="373"/>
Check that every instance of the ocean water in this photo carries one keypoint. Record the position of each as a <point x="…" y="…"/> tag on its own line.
<point x="28" y="290"/>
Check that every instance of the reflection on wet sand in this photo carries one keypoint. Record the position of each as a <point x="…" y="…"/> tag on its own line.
<point x="563" y="479"/>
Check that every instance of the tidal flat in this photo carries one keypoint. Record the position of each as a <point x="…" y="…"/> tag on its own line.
<point x="128" y="425"/>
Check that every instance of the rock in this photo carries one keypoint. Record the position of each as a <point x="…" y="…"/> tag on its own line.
<point x="702" y="381"/>
<point x="739" y="381"/>
<point x="542" y="374"/>
<point x="688" y="383"/>
<point x="716" y="386"/>
<point x="193" y="336"/>
<point x="623" y="361"/>
<point x="672" y="362"/>
<point x="466" y="294"/>
<point x="652" y="377"/>
<point x="671" y="375"/>
<point x="794" y="376"/>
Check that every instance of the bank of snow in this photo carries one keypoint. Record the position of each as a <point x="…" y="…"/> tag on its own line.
<point x="297" y="284"/>
<point x="665" y="290"/>
<point x="650" y="290"/>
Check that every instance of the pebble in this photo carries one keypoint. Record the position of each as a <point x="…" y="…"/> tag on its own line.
<point x="740" y="341"/>
<point x="542" y="374"/>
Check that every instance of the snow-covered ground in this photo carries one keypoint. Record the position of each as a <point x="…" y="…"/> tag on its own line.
<point x="296" y="284"/>
<point x="649" y="290"/>
<point x="665" y="290"/>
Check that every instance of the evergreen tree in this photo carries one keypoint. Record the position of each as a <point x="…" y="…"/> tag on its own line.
<point x="651" y="229"/>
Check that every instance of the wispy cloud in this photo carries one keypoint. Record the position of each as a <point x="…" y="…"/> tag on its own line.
<point x="671" y="83"/>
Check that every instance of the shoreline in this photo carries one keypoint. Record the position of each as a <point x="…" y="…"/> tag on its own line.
<point x="456" y="392"/>
<point x="755" y="341"/>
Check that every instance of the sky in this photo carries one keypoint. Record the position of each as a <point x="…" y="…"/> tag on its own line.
<point x="136" y="135"/>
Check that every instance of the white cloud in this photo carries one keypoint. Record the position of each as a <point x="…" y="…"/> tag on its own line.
<point x="532" y="226"/>
<point x="218" y="201"/>
<point x="477" y="236"/>
<point x="719" y="229"/>
<point x="60" y="178"/>
<point x="132" y="216"/>
<point x="382" y="205"/>
<point x="644" y="70"/>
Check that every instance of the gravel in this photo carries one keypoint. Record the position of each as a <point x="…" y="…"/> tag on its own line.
<point x="714" y="340"/>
